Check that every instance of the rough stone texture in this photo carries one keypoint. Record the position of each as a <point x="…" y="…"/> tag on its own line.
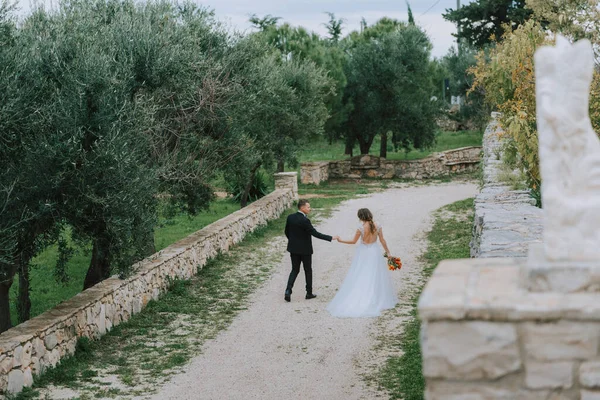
<point x="549" y="375"/>
<point x="368" y="166"/>
<point x="506" y="221"/>
<point x="27" y="377"/>
<point x="590" y="395"/>
<point x="50" y="341"/>
<point x="555" y="333"/>
<point x="314" y="172"/>
<point x="287" y="180"/>
<point x="564" y="340"/>
<point x="569" y="151"/>
<point x="554" y="307"/>
<point x="41" y="342"/>
<point x="469" y="350"/>
<point x="508" y="388"/>
<point x="589" y="374"/>
<point x="543" y="275"/>
<point x="16" y="380"/>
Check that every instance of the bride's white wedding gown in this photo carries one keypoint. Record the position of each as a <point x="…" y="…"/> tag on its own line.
<point x="367" y="288"/>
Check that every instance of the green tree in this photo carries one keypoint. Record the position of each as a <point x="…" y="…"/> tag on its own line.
<point x="334" y="27"/>
<point x="125" y="117"/>
<point x="411" y="18"/>
<point x="389" y="87"/>
<point x="281" y="103"/>
<point x="29" y="184"/>
<point x="482" y="20"/>
<point x="295" y="43"/>
<point x="264" y="23"/>
<point x="457" y="65"/>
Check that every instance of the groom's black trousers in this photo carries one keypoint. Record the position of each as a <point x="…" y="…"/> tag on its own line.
<point x="306" y="260"/>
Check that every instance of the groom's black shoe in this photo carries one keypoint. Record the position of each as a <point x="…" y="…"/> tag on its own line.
<point x="287" y="296"/>
<point x="310" y="296"/>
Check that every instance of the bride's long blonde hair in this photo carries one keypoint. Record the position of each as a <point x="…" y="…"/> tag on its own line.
<point x="365" y="215"/>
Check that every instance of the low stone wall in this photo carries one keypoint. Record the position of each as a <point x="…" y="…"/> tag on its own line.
<point x="367" y="166"/>
<point x="485" y="336"/>
<point x="43" y="341"/>
<point x="508" y="328"/>
<point x="506" y="221"/>
<point x="314" y="172"/>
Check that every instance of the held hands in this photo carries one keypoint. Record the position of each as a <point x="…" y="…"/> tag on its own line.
<point x="335" y="238"/>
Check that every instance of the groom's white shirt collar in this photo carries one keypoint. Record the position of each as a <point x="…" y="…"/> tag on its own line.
<point x="302" y="213"/>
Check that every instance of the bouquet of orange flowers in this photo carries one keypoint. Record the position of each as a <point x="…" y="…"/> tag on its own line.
<point x="394" y="263"/>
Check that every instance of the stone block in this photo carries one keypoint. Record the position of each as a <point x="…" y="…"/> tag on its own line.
<point x="137" y="305"/>
<point x="17" y="357"/>
<point x="444" y="295"/>
<point x="506" y="389"/>
<point x="60" y="335"/>
<point x="27" y="377"/>
<point x="589" y="374"/>
<point x="70" y="347"/>
<point x="564" y="340"/>
<point x="590" y="395"/>
<point x="50" y="341"/>
<point x="35" y="365"/>
<point x="469" y="350"/>
<point x="53" y="357"/>
<point x="101" y="321"/>
<point x="16" y="380"/>
<point x="6" y="364"/>
<point x="27" y="350"/>
<point x="3" y="383"/>
<point x="549" y="375"/>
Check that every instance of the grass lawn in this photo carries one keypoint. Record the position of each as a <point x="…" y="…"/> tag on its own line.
<point x="448" y="239"/>
<point x="321" y="150"/>
<point x="47" y="293"/>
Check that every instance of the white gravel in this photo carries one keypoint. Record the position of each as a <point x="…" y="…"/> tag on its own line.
<point x="279" y="350"/>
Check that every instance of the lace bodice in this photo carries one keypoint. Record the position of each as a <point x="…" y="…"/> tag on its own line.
<point x="369" y="238"/>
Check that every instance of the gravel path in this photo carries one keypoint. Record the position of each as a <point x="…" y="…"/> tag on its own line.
<point x="279" y="350"/>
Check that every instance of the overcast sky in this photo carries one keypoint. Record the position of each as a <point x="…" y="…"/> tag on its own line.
<point x="311" y="14"/>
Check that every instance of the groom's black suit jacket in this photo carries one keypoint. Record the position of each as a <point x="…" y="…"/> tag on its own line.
<point x="299" y="230"/>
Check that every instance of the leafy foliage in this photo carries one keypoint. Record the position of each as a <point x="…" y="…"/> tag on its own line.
<point x="258" y="189"/>
<point x="389" y="88"/>
<point x="94" y="127"/>
<point x="507" y="77"/>
<point x="482" y="22"/>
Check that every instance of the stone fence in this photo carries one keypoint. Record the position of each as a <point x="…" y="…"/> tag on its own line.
<point x="27" y="349"/>
<point x="367" y="166"/>
<point x="506" y="221"/>
<point x="508" y="328"/>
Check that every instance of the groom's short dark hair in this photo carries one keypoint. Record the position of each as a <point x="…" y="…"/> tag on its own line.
<point x="302" y="203"/>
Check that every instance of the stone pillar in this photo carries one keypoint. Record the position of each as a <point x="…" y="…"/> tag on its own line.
<point x="485" y="335"/>
<point x="314" y="172"/>
<point x="287" y="180"/>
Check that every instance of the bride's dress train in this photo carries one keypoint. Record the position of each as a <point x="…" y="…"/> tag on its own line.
<point x="367" y="288"/>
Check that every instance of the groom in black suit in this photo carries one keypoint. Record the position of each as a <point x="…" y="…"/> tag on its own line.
<point x="299" y="230"/>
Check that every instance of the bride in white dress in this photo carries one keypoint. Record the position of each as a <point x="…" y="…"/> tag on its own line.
<point x="367" y="288"/>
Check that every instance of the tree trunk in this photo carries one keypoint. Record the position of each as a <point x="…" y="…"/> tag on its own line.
<point x="24" y="300"/>
<point x="244" y="201"/>
<point x="5" y="323"/>
<point x="149" y="244"/>
<point x="280" y="166"/>
<point x="349" y="148"/>
<point x="383" y="147"/>
<point x="99" y="268"/>
<point x="364" y="147"/>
